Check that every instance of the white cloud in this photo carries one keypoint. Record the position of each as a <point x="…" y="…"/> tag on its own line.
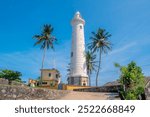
<point x="124" y="48"/>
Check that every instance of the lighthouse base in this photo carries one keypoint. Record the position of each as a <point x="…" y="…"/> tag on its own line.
<point x="78" y="80"/>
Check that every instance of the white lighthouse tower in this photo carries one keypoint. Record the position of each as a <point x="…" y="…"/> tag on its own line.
<point x="78" y="70"/>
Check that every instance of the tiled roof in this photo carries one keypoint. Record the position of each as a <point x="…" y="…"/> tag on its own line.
<point x="114" y="83"/>
<point x="147" y="80"/>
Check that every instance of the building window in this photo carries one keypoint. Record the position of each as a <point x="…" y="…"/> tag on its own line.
<point x="80" y="27"/>
<point x="84" y="84"/>
<point x="57" y="76"/>
<point x="71" y="54"/>
<point x="49" y="74"/>
<point x="52" y="83"/>
<point x="44" y="82"/>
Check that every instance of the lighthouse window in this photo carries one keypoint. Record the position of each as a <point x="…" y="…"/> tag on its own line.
<point x="80" y="27"/>
<point x="49" y="74"/>
<point x="71" y="54"/>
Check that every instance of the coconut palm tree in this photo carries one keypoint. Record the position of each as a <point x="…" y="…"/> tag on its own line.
<point x="100" y="44"/>
<point x="90" y="63"/>
<point x="45" y="40"/>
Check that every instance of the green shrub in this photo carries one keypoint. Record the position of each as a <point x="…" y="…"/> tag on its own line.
<point x="132" y="81"/>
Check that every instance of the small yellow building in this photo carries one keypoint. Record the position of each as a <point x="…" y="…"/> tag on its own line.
<point x="32" y="83"/>
<point x="50" y="78"/>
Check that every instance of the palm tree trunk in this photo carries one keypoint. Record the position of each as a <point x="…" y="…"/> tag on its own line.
<point x="89" y="74"/>
<point x="42" y="64"/>
<point x="43" y="58"/>
<point x="100" y="56"/>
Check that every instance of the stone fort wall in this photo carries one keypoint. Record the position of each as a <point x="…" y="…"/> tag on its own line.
<point x="9" y="92"/>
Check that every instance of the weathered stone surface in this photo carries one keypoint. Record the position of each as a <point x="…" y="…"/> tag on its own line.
<point x="17" y="83"/>
<point x="14" y="96"/>
<point x="26" y="93"/>
<point x="4" y="81"/>
<point x="3" y="90"/>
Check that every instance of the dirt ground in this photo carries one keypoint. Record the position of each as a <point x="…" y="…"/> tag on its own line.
<point x="86" y="96"/>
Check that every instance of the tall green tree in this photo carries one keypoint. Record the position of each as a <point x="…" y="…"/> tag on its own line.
<point x="132" y="81"/>
<point x="45" y="40"/>
<point x="91" y="64"/>
<point x="100" y="44"/>
<point x="10" y="75"/>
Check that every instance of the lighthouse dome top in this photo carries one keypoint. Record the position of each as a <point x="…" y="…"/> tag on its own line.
<point x="77" y="19"/>
<point x="77" y="15"/>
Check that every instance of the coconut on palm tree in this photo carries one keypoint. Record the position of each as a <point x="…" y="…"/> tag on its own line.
<point x="90" y="63"/>
<point x="100" y="44"/>
<point x="45" y="40"/>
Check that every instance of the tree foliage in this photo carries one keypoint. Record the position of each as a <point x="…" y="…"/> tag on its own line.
<point x="10" y="75"/>
<point x="132" y="80"/>
<point x="101" y="44"/>
<point x="90" y="63"/>
<point x="45" y="39"/>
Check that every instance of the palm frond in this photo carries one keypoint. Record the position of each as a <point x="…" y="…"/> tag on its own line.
<point x="38" y="37"/>
<point x="46" y="40"/>
<point x="38" y="42"/>
<point x="90" y="61"/>
<point x="100" y="40"/>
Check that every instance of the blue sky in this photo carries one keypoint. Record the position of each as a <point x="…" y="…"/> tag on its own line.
<point x="127" y="20"/>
